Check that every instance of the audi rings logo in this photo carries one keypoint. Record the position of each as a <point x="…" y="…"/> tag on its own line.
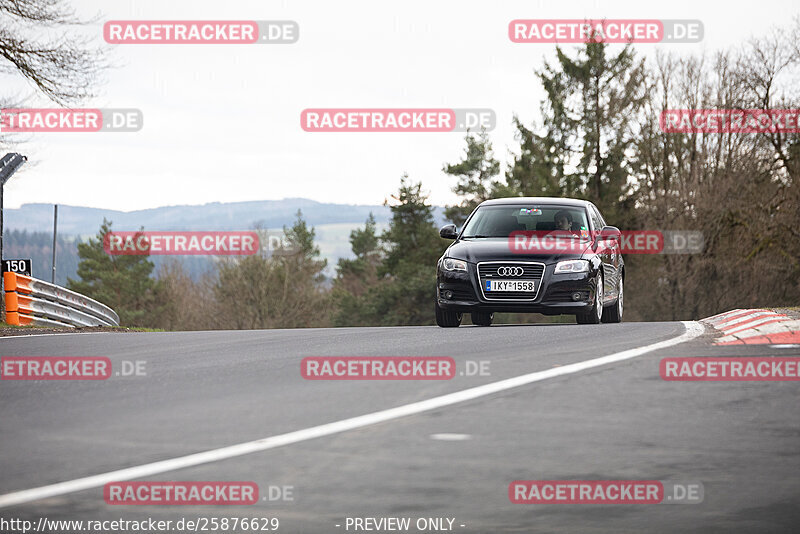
<point x="510" y="271"/>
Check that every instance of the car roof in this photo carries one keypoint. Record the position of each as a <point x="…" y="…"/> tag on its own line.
<point x="510" y="201"/>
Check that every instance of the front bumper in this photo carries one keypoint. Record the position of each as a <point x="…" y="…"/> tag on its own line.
<point x="460" y="291"/>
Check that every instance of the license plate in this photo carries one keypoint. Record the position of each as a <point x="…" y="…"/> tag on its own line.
<point x="521" y="286"/>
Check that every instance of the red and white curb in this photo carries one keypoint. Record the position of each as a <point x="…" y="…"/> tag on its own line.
<point x="755" y="327"/>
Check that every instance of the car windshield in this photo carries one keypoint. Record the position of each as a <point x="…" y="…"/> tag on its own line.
<point x="501" y="221"/>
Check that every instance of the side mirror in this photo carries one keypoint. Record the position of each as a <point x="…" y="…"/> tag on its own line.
<point x="448" y="231"/>
<point x="611" y="233"/>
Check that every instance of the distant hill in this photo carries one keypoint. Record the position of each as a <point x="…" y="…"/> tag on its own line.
<point x="216" y="216"/>
<point x="29" y="228"/>
<point x="38" y="246"/>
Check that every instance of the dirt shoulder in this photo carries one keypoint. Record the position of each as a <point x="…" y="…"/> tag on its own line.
<point x="8" y="330"/>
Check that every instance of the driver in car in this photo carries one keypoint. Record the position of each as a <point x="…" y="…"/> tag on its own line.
<point x="563" y="220"/>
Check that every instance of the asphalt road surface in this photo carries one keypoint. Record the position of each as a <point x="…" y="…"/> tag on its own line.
<point x="207" y="391"/>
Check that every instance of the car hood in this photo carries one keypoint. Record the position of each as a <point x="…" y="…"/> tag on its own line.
<point x="493" y="249"/>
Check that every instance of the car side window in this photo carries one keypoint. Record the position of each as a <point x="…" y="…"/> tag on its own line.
<point x="600" y="218"/>
<point x="596" y="219"/>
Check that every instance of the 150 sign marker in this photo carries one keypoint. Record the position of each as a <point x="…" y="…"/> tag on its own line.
<point x="17" y="266"/>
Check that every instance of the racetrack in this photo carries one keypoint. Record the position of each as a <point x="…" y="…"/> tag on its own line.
<point x="204" y="391"/>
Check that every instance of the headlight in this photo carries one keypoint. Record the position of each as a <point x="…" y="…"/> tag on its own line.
<point x="450" y="264"/>
<point x="572" y="266"/>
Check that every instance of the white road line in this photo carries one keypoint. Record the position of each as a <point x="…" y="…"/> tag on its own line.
<point x="693" y="329"/>
<point x="53" y="334"/>
<point x="451" y="437"/>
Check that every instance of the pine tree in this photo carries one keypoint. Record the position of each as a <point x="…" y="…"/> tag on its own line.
<point x="411" y="239"/>
<point x="538" y="170"/>
<point x="305" y="253"/>
<point x="414" y="246"/>
<point x="475" y="172"/>
<point x="355" y="277"/>
<point x="405" y="279"/>
<point x="593" y="102"/>
<point x="122" y="282"/>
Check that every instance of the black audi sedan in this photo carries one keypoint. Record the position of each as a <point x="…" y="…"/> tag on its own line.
<point x="531" y="255"/>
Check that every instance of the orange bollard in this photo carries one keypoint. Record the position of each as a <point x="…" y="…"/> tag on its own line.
<point x="12" y="305"/>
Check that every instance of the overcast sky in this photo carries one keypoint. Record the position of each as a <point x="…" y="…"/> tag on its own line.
<point x="222" y="122"/>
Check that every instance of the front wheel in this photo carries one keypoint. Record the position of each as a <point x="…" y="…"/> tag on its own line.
<point x="482" y="318"/>
<point x="594" y="315"/>
<point x="447" y="319"/>
<point x="613" y="314"/>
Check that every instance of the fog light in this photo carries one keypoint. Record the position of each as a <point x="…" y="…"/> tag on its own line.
<point x="576" y="296"/>
<point x="448" y="294"/>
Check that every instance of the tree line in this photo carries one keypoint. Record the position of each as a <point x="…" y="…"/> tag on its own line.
<point x="598" y="138"/>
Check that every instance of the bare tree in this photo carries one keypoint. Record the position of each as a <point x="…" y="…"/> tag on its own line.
<point x="740" y="189"/>
<point x="190" y="304"/>
<point x="38" y="41"/>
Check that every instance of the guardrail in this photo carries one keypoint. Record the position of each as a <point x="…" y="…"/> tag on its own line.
<point x="36" y="302"/>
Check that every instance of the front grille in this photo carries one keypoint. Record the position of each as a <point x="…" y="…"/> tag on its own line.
<point x="489" y="271"/>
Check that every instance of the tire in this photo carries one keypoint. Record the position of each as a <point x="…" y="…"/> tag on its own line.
<point x="594" y="315"/>
<point x="613" y="314"/>
<point x="482" y="318"/>
<point x="447" y="319"/>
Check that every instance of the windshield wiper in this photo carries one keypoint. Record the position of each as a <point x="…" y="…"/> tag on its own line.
<point x="476" y="235"/>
